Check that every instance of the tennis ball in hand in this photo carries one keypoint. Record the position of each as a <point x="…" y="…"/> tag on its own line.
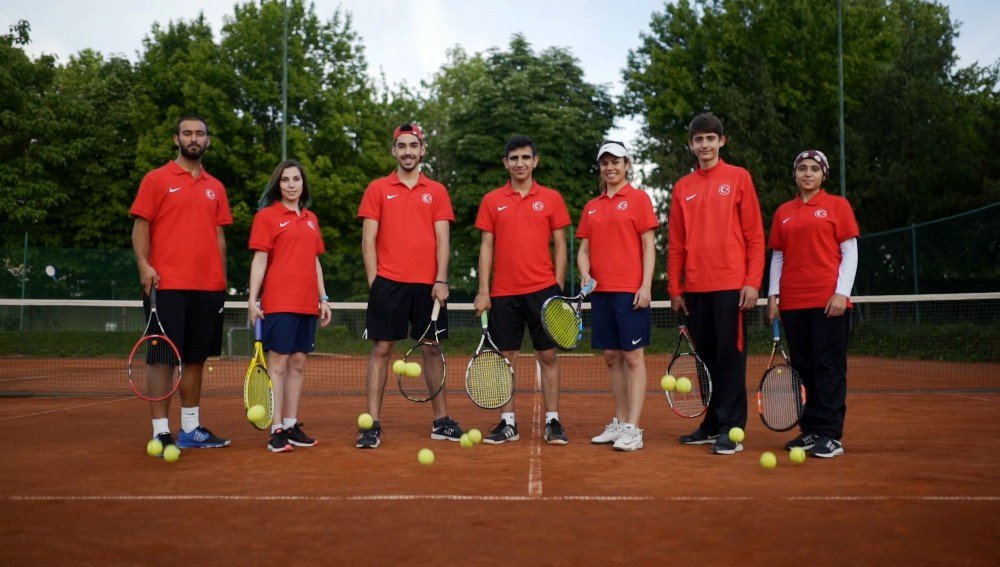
<point x="736" y="435"/>
<point x="668" y="383"/>
<point x="365" y="421"/>
<point x="475" y="435"/>
<point x="154" y="448"/>
<point x="412" y="369"/>
<point x="171" y="453"/>
<point x="683" y="385"/>
<point x="465" y="442"/>
<point x="768" y="460"/>
<point x="399" y="367"/>
<point x="256" y="413"/>
<point x="797" y="455"/>
<point x="425" y="456"/>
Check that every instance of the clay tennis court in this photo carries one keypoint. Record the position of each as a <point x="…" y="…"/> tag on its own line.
<point x="918" y="484"/>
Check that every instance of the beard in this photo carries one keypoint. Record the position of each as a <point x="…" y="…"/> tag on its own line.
<point x="193" y="153"/>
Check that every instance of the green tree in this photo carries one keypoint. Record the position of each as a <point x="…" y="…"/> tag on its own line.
<point x="475" y="103"/>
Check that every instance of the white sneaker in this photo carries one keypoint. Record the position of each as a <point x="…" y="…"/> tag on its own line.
<point x="629" y="440"/>
<point x="612" y="432"/>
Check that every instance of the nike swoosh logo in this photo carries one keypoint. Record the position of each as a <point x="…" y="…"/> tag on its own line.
<point x="689" y="197"/>
<point x="391" y="196"/>
<point x="282" y="224"/>
<point x="591" y="211"/>
<point x="635" y="342"/>
<point x="502" y="208"/>
<point x="174" y="189"/>
<point x="786" y="220"/>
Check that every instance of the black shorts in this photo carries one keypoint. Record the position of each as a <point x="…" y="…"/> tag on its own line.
<point x="510" y="313"/>
<point x="392" y="306"/>
<point x="192" y="320"/>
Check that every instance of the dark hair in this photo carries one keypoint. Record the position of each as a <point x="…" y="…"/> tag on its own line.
<point x="177" y="127"/>
<point x="706" y="123"/>
<point x="272" y="192"/>
<point x="518" y="142"/>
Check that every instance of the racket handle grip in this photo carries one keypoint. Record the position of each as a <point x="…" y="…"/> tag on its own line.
<point x="258" y="330"/>
<point x="484" y="320"/>
<point x="589" y="287"/>
<point x="152" y="296"/>
<point x="436" y="310"/>
<point x="774" y="329"/>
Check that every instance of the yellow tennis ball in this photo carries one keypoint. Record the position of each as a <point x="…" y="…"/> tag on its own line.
<point x="171" y="453"/>
<point x="668" y="383"/>
<point x="366" y="421"/>
<point x="399" y="367"/>
<point x="464" y="441"/>
<point x="211" y="369"/>
<point x="475" y="435"/>
<point x="256" y="413"/>
<point x="683" y="385"/>
<point x="736" y="435"/>
<point x="425" y="456"/>
<point x="412" y="369"/>
<point x="797" y="455"/>
<point x="778" y="371"/>
<point x="768" y="460"/>
<point x="154" y="448"/>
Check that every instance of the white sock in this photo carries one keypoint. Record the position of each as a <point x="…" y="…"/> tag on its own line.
<point x="288" y="423"/>
<point x="550" y="415"/>
<point x="189" y="419"/>
<point x="275" y="428"/>
<point x="161" y="425"/>
<point x="508" y="416"/>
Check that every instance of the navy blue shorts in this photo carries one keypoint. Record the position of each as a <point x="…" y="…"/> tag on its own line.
<point x="289" y="333"/>
<point x="616" y="326"/>
<point x="192" y="320"/>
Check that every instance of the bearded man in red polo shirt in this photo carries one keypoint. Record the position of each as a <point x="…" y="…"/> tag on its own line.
<point x="406" y="222"/>
<point x="180" y="248"/>
<point x="715" y="264"/>
<point x="518" y="221"/>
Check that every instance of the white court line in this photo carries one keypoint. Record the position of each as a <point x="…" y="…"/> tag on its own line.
<point x="482" y="498"/>
<point x="535" y="451"/>
<point x="69" y="408"/>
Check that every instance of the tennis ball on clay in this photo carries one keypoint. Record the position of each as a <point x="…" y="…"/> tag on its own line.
<point x="154" y="448"/>
<point x="211" y="369"/>
<point x="668" y="383"/>
<point x="736" y="435"/>
<point x="768" y="460"/>
<point x="171" y="453"/>
<point x="475" y="435"/>
<point x="412" y="369"/>
<point x="425" y="457"/>
<point x="399" y="367"/>
<point x="683" y="385"/>
<point x="465" y="442"/>
<point x="366" y="421"/>
<point x="797" y="455"/>
<point x="256" y="413"/>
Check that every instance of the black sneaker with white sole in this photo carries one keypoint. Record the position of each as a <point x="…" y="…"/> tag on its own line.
<point x="699" y="437"/>
<point x="446" y="429"/>
<point x="298" y="437"/>
<point x="826" y="448"/>
<point x="555" y="434"/>
<point x="725" y="446"/>
<point x="803" y="441"/>
<point x="370" y="438"/>
<point x="502" y="433"/>
<point x="279" y="442"/>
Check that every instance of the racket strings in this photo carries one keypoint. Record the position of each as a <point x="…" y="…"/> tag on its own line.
<point x="154" y="368"/>
<point x="781" y="399"/>
<point x="693" y="403"/>
<point x="432" y="372"/>
<point x="562" y="323"/>
<point x="258" y="393"/>
<point x="490" y="380"/>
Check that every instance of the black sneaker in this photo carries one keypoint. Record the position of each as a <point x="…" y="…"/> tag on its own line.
<point x="555" y="434"/>
<point x="725" y="446"/>
<point x="370" y="438"/>
<point x="699" y="437"/>
<point x="826" y="448"/>
<point x="446" y="429"/>
<point x="501" y="433"/>
<point x="298" y="437"/>
<point x="279" y="442"/>
<point x="804" y="441"/>
<point x="165" y="439"/>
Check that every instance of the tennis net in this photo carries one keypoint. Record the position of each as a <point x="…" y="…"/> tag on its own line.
<point x="898" y="344"/>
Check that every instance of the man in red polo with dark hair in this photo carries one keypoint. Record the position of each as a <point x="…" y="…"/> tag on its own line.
<point x="180" y="248"/>
<point x="406" y="222"/>
<point x="518" y="221"/>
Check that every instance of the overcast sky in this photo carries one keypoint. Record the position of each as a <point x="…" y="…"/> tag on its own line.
<point x="599" y="34"/>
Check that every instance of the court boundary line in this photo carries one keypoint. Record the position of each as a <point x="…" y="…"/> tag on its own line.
<point x="535" y="449"/>
<point x="481" y="498"/>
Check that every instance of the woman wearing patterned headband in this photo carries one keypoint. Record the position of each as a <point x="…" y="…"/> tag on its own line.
<point x="814" y="239"/>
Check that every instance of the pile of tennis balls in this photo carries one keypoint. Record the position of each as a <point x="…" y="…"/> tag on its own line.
<point x="670" y="383"/>
<point x="170" y="453"/>
<point x="403" y="368"/>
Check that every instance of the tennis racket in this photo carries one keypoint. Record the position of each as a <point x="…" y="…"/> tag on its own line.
<point x="257" y="387"/>
<point x="489" y="379"/>
<point x="562" y="321"/>
<point x="428" y="383"/>
<point x="154" y="365"/>
<point x="687" y="364"/>
<point x="781" y="397"/>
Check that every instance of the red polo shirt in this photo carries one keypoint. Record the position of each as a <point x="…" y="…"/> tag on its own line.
<point x="809" y="237"/>
<point x="406" y="244"/>
<point x="614" y="226"/>
<point x="184" y="213"/>
<point x="716" y="235"/>
<point x="522" y="229"/>
<point x="292" y="242"/>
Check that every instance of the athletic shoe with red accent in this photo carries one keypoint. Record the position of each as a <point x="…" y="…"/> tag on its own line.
<point x="298" y="437"/>
<point x="279" y="442"/>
